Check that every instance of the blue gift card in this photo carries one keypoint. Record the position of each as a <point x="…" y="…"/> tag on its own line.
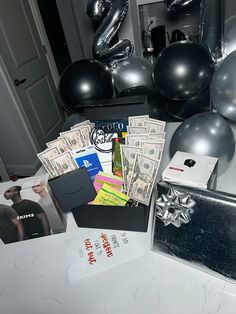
<point x="88" y="158"/>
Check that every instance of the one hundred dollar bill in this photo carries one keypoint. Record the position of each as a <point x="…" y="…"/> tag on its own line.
<point x="45" y="157"/>
<point x="138" y="120"/>
<point x="64" y="163"/>
<point x="154" y="136"/>
<point x="128" y="154"/>
<point x="91" y="125"/>
<point x="151" y="149"/>
<point x="143" y="178"/>
<point x="86" y="123"/>
<point x="160" y="143"/>
<point x="83" y="123"/>
<point x="60" y="143"/>
<point x="75" y="138"/>
<point x="85" y="131"/>
<point x="136" y="139"/>
<point x="155" y="126"/>
<point x="137" y="129"/>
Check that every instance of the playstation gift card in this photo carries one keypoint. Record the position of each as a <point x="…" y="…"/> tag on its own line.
<point x="87" y="157"/>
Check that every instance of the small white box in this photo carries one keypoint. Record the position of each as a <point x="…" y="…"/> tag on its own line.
<point x="191" y="170"/>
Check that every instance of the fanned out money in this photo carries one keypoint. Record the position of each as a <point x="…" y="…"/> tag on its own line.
<point x="143" y="178"/>
<point x="57" y="158"/>
<point x="136" y="139"/>
<point x="78" y="137"/>
<point x="157" y="144"/>
<point x="128" y="154"/>
<point x="64" y="163"/>
<point x="85" y="131"/>
<point x="80" y="124"/>
<point x="61" y="144"/>
<point x="137" y="129"/>
<point x="139" y="173"/>
<point x="154" y="136"/>
<point x="85" y="128"/>
<point x="75" y="138"/>
<point x="45" y="158"/>
<point x="151" y="149"/>
<point x="148" y="132"/>
<point x="154" y="126"/>
<point x="138" y="120"/>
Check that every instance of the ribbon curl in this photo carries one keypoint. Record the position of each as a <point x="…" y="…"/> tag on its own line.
<point x="174" y="208"/>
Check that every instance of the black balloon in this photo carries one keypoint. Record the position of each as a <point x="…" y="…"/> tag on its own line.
<point x="157" y="105"/>
<point x="83" y="80"/>
<point x="183" y="109"/>
<point x="132" y="73"/>
<point x="183" y="70"/>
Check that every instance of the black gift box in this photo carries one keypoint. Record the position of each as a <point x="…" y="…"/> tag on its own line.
<point x="197" y="227"/>
<point x="72" y="189"/>
<point x="111" y="108"/>
<point x="112" y="217"/>
<point x="75" y="189"/>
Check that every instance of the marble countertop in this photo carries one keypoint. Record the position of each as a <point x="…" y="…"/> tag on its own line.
<point x="34" y="279"/>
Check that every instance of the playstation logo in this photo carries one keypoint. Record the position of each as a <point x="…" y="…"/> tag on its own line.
<point x="87" y="164"/>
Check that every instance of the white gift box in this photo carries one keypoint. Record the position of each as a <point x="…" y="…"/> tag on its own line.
<point x="191" y="170"/>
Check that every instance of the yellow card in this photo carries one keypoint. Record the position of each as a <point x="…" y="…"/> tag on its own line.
<point x="109" y="196"/>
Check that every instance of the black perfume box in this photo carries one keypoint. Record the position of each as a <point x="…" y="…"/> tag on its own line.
<point x="197" y="227"/>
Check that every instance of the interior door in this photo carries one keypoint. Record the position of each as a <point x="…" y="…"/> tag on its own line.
<point x="24" y="57"/>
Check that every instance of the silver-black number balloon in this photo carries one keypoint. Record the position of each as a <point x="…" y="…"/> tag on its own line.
<point x="103" y="47"/>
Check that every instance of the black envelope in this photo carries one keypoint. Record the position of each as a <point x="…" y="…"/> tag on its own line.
<point x="72" y="189"/>
<point x="112" y="217"/>
<point x="206" y="238"/>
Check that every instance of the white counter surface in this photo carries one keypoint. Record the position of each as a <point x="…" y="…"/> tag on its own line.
<point x="33" y="279"/>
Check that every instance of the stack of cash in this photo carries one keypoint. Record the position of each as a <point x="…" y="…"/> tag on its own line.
<point x="58" y="158"/>
<point x="141" y="156"/>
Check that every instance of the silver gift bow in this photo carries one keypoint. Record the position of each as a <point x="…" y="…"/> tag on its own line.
<point x="174" y="208"/>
